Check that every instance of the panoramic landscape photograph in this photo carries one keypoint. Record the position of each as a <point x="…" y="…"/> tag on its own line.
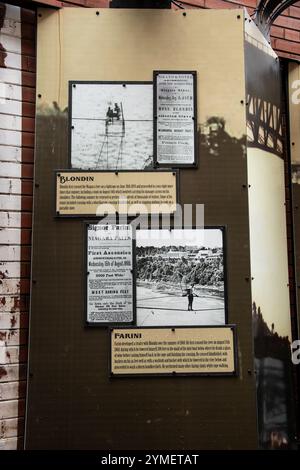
<point x="180" y="277"/>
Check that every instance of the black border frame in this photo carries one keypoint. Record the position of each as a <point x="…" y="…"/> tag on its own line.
<point x="156" y="163"/>
<point x="134" y="272"/>
<point x="106" y="324"/>
<point x="223" y="229"/>
<point x="72" y="84"/>
<point x="235" y="373"/>
<point x="99" y="216"/>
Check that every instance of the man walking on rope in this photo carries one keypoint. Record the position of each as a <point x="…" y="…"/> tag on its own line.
<point x="190" y="299"/>
<point x="190" y="295"/>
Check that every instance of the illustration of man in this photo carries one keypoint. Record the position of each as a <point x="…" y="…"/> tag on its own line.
<point x="109" y="115"/>
<point x="117" y="111"/>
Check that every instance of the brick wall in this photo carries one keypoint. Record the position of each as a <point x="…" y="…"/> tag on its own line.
<point x="17" y="111"/>
<point x="285" y="34"/>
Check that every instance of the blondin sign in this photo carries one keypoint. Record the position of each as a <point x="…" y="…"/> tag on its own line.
<point x="96" y="193"/>
<point x="165" y="351"/>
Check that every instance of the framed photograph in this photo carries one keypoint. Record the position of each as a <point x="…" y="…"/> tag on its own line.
<point x="111" y="125"/>
<point x="181" y="277"/>
<point x="110" y="283"/>
<point x="175" y="118"/>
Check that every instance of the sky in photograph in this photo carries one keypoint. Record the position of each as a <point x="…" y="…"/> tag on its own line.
<point x="91" y="101"/>
<point x="210" y="238"/>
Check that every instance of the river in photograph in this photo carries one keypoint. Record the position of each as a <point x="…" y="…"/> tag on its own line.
<point x="128" y="148"/>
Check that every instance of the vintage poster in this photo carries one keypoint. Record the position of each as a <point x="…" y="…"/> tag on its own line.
<point x="180" y="277"/>
<point x="111" y="125"/>
<point x="109" y="284"/>
<point x="164" y="351"/>
<point x="175" y="119"/>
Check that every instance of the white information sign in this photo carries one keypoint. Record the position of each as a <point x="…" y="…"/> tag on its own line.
<point x="175" y="120"/>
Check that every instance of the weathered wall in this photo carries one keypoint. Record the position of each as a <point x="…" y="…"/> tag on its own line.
<point x="17" y="124"/>
<point x="17" y="111"/>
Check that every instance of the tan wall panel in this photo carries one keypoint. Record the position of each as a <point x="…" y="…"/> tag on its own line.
<point x="269" y="262"/>
<point x="130" y="44"/>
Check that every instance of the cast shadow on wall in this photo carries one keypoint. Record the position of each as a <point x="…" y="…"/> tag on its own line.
<point x="274" y="384"/>
<point x="52" y="135"/>
<point x="215" y="141"/>
<point x="263" y="106"/>
<point x="3" y="53"/>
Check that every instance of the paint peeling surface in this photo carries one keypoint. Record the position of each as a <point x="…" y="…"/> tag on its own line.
<point x="15" y="217"/>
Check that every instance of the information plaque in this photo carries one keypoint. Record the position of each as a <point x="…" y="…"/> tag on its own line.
<point x="206" y="350"/>
<point x="98" y="193"/>
<point x="110" y="282"/>
<point x="175" y="118"/>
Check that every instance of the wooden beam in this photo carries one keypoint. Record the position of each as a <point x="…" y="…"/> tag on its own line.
<point x="48" y="3"/>
<point x="32" y="4"/>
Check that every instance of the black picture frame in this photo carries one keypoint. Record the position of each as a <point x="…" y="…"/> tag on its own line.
<point x="223" y="229"/>
<point x="72" y="85"/>
<point x="57" y="214"/>
<point x="149" y="375"/>
<point x="156" y="162"/>
<point x="86" y="224"/>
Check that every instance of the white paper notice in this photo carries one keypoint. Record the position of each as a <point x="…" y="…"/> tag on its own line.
<point x="175" y="123"/>
<point x="109" y="277"/>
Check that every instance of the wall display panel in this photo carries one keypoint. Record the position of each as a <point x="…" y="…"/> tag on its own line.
<point x="127" y="45"/>
<point x="268" y="245"/>
<point x="111" y="125"/>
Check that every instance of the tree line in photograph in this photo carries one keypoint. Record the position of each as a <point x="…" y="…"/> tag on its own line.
<point x="154" y="265"/>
